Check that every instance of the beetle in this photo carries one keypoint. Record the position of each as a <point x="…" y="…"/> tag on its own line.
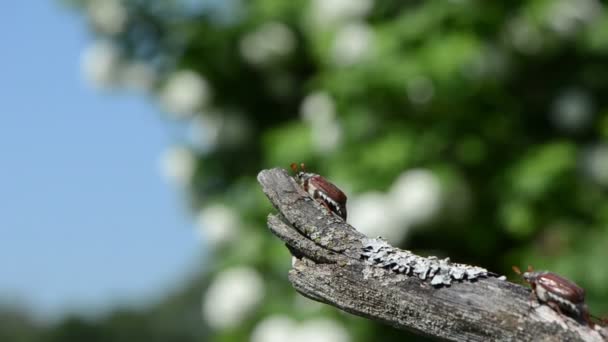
<point x="322" y="190"/>
<point x="561" y="294"/>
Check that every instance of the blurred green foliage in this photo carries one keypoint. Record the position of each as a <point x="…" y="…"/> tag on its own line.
<point x="502" y="102"/>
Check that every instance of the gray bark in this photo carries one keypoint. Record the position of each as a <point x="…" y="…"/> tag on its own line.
<point x="337" y="265"/>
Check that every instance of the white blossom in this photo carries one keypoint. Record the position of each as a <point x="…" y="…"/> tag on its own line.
<point x="595" y="164"/>
<point x="371" y="213"/>
<point x="232" y="296"/>
<point x="321" y="330"/>
<point x="352" y="44"/>
<point x="178" y="165"/>
<point x="185" y="93"/>
<point x="416" y="196"/>
<point x="100" y="64"/>
<point x="235" y="129"/>
<point x="318" y="108"/>
<point x="218" y="224"/>
<point x="326" y="138"/>
<point x="277" y="328"/>
<point x="420" y="89"/>
<point x="204" y="131"/>
<point x="107" y="16"/>
<point x="523" y="35"/>
<point x="491" y="62"/>
<point x="138" y="76"/>
<point x="327" y="13"/>
<point x="306" y="305"/>
<point x="572" y="110"/>
<point x="216" y="127"/>
<point x="566" y="17"/>
<point x="268" y="43"/>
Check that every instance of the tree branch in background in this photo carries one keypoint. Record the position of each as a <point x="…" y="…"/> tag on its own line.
<point x="337" y="265"/>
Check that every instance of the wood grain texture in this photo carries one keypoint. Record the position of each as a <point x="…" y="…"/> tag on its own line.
<point x="330" y="269"/>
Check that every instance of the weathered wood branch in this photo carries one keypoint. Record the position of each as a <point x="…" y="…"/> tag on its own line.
<point x="339" y="266"/>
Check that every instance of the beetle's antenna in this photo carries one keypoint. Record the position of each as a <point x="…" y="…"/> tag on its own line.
<point x="303" y="167"/>
<point x="516" y="269"/>
<point x="294" y="167"/>
<point x="530" y="269"/>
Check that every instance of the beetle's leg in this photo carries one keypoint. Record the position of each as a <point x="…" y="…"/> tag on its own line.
<point x="555" y="307"/>
<point x="325" y="205"/>
<point x="532" y="300"/>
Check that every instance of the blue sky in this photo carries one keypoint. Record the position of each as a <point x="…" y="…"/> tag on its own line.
<point x="86" y="221"/>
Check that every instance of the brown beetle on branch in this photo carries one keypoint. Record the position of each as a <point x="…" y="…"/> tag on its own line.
<point x="322" y="190"/>
<point x="559" y="293"/>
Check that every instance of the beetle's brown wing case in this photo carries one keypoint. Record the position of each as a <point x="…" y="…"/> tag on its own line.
<point x="563" y="287"/>
<point x="330" y="189"/>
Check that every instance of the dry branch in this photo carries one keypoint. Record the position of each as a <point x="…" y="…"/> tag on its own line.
<point x="339" y="266"/>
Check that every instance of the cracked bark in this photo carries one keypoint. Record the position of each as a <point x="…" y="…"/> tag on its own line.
<point x="330" y="268"/>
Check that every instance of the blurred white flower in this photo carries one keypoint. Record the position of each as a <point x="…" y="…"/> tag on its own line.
<point x="138" y="76"/>
<point x="523" y="35"/>
<point x="306" y="305"/>
<point x="420" y="89"/>
<point x="216" y="127"/>
<point x="321" y="330"/>
<point x="178" y="165"/>
<point x="326" y="137"/>
<point x="416" y="196"/>
<point x="204" y="131"/>
<point x="595" y="164"/>
<point x="492" y="62"/>
<point x="107" y="16"/>
<point x="232" y="296"/>
<point x="268" y="43"/>
<point x="235" y="129"/>
<point x="185" y="93"/>
<point x="371" y="213"/>
<point x="218" y="224"/>
<point x="100" y="64"/>
<point x="327" y="13"/>
<point x="277" y="328"/>
<point x="318" y="109"/>
<point x="352" y="44"/>
<point x="566" y="17"/>
<point x="572" y="110"/>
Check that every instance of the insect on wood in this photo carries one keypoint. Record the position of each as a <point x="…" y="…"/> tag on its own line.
<point x="322" y="190"/>
<point x="561" y="294"/>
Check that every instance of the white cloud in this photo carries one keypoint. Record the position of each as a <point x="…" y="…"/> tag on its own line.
<point x="232" y="296"/>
